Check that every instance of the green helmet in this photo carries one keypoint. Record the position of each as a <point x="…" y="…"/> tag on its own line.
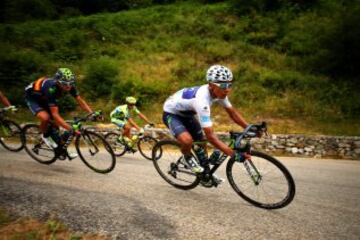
<point x="130" y="100"/>
<point x="65" y="76"/>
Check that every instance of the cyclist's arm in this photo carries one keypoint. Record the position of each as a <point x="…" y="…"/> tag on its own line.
<point x="4" y="100"/>
<point x="131" y="121"/>
<point x="236" y="116"/>
<point x="58" y="119"/>
<point x="143" y="117"/>
<point x="214" y="140"/>
<point x="83" y="104"/>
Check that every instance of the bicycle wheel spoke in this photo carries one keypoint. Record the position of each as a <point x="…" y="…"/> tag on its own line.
<point x="10" y="135"/>
<point x="275" y="187"/>
<point x="113" y="139"/>
<point x="35" y="147"/>
<point x="167" y="159"/>
<point x="145" y="146"/>
<point x="95" y="152"/>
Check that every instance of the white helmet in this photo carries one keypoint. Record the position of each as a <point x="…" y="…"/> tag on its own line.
<point x="218" y="73"/>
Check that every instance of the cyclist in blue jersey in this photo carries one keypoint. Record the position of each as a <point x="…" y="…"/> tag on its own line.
<point x="187" y="115"/>
<point x="41" y="97"/>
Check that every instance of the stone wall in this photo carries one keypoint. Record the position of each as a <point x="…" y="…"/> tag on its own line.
<point x="315" y="146"/>
<point x="296" y="145"/>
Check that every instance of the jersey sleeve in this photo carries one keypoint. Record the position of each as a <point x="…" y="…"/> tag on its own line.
<point x="225" y="103"/>
<point x="203" y="111"/>
<point x="74" y="92"/>
<point x="136" y="110"/>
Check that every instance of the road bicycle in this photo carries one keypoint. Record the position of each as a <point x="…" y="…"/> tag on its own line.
<point x="10" y="132"/>
<point x="91" y="147"/>
<point x="261" y="179"/>
<point x="143" y="142"/>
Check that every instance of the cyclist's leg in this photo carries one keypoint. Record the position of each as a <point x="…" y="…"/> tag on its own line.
<point x="43" y="114"/>
<point x="179" y="131"/>
<point x="39" y="111"/>
<point x="194" y="128"/>
<point x="197" y="134"/>
<point x="184" y="137"/>
<point x="118" y="122"/>
<point x="122" y="124"/>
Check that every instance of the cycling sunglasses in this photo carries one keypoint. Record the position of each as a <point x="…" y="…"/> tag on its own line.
<point x="67" y="83"/>
<point x="223" y="85"/>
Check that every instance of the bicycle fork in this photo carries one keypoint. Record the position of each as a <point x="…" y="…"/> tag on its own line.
<point x="89" y="142"/>
<point x="252" y="171"/>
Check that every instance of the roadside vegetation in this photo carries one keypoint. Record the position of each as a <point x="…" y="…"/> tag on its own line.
<point x="31" y="229"/>
<point x="296" y="63"/>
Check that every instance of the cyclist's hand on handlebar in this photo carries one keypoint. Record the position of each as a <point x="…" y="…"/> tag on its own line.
<point x="239" y="156"/>
<point x="75" y="130"/>
<point x="260" y="128"/>
<point x="12" y="108"/>
<point x="97" y="115"/>
<point x="141" y="131"/>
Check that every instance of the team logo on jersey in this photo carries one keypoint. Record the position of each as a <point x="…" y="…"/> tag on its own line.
<point x="52" y="90"/>
<point x="205" y="119"/>
<point x="205" y="109"/>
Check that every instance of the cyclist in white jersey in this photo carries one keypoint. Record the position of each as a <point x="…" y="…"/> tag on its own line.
<point x="187" y="115"/>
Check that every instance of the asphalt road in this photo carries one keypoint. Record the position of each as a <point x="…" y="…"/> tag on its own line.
<point x="134" y="202"/>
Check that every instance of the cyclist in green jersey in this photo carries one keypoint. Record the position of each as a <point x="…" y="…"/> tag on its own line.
<point x="121" y="116"/>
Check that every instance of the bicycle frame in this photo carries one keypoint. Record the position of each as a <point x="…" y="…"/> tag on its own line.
<point x="235" y="143"/>
<point x="61" y="150"/>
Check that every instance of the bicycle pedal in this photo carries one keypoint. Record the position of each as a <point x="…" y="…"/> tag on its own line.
<point x="207" y="184"/>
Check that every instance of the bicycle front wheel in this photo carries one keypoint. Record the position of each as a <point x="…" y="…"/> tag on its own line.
<point x="10" y="136"/>
<point x="145" y="146"/>
<point x="35" y="146"/>
<point x="95" y="152"/>
<point x="169" y="163"/>
<point x="262" y="181"/>
<point x="117" y="146"/>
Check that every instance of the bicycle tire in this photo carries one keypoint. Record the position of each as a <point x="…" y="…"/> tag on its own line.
<point x="144" y="142"/>
<point x="284" y="200"/>
<point x="15" y="128"/>
<point x="111" y="138"/>
<point x="171" y="150"/>
<point x="27" y="140"/>
<point x="93" y="137"/>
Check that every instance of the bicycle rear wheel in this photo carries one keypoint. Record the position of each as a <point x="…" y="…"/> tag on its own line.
<point x="118" y="147"/>
<point x="95" y="152"/>
<point x="10" y="136"/>
<point x="170" y="165"/>
<point x="35" y="146"/>
<point x="145" y="146"/>
<point x="262" y="181"/>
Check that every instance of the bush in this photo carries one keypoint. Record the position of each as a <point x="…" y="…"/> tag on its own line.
<point x="146" y="94"/>
<point x="100" y="77"/>
<point x="247" y="6"/>
<point x="17" y="70"/>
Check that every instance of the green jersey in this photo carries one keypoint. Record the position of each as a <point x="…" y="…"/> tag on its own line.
<point x="123" y="112"/>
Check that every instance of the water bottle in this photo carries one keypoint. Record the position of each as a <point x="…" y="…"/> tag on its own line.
<point x="214" y="157"/>
<point x="201" y="154"/>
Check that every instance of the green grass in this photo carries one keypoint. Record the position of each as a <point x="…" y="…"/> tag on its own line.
<point x="152" y="52"/>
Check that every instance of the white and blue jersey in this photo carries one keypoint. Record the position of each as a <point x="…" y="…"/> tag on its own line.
<point x="194" y="101"/>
